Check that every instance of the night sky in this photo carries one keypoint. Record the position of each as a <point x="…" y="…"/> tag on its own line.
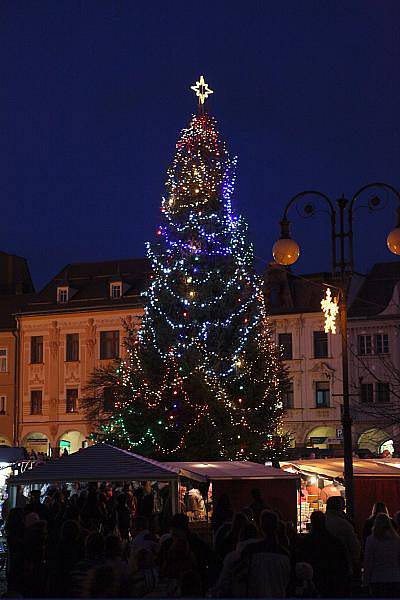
<point x="94" y="93"/>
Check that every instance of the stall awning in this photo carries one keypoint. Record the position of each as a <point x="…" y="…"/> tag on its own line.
<point x="100" y="462"/>
<point x="11" y="455"/>
<point x="218" y="470"/>
<point x="334" y="468"/>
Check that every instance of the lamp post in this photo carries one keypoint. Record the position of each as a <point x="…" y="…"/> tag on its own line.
<point x="286" y="251"/>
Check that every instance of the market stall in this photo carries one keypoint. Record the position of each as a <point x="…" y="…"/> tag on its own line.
<point x="98" y="463"/>
<point x="374" y="480"/>
<point x="237" y="479"/>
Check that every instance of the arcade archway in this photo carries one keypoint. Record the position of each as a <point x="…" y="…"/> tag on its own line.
<point x="36" y="441"/>
<point x="320" y="437"/>
<point x="376" y="441"/>
<point x="72" y="441"/>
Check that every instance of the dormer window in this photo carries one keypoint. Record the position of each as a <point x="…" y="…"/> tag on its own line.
<point x="116" y="289"/>
<point x="62" y="295"/>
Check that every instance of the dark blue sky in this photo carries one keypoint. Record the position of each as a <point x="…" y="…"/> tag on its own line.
<point x="94" y="92"/>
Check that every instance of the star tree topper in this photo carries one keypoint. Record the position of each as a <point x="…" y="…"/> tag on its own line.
<point x="330" y="309"/>
<point x="201" y="89"/>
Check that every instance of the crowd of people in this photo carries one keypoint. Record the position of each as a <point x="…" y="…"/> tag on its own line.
<point x="106" y="542"/>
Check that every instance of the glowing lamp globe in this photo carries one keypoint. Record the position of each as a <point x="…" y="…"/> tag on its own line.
<point x="393" y="241"/>
<point x="285" y="251"/>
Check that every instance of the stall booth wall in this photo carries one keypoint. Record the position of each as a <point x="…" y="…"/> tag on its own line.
<point x="368" y="490"/>
<point x="278" y="494"/>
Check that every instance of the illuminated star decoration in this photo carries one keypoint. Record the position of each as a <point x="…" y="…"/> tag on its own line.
<point x="202" y="90"/>
<point x="330" y="309"/>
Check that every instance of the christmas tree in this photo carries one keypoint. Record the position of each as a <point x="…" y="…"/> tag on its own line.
<point x="203" y="378"/>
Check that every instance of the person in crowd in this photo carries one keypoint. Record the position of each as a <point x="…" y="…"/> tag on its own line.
<point x="67" y="551"/>
<point x="35" y="567"/>
<point x="123" y="515"/>
<point x="207" y="562"/>
<point x="304" y="584"/>
<point x="21" y="500"/>
<point x="257" y="504"/>
<point x="147" y="503"/>
<point x="327" y="556"/>
<point x="231" y="576"/>
<point x="35" y="506"/>
<point x="338" y="525"/>
<point x="101" y="582"/>
<point x="223" y="512"/>
<point x="179" y="558"/>
<point x="269" y="567"/>
<point x="94" y="557"/>
<point x="15" y="531"/>
<point x="227" y="543"/>
<point x="190" y="585"/>
<point x="143" y="573"/>
<point x="382" y="559"/>
<point x="378" y="507"/>
<point x="142" y="537"/>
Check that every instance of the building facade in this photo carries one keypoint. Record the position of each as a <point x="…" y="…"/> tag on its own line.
<point x="313" y="359"/>
<point x="16" y="289"/>
<point x="374" y="363"/>
<point x="75" y="325"/>
<point x="52" y="341"/>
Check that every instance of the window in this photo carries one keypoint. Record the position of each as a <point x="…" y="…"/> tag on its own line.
<point x="36" y="349"/>
<point x="72" y="347"/>
<point x="3" y="405"/>
<point x="364" y="345"/>
<point x="322" y="394"/>
<point x="320" y="344"/>
<point x="288" y="396"/>
<point x="62" y="295"/>
<point x="382" y="392"/>
<point x="3" y="360"/>
<point x="36" y="402"/>
<point x="367" y="392"/>
<point x="381" y="345"/>
<point x="285" y="344"/>
<point x="109" y="344"/>
<point x="116" y="290"/>
<point x="72" y="400"/>
<point x="108" y="399"/>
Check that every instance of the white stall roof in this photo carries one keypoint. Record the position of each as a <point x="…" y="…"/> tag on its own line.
<point x="224" y="469"/>
<point x="100" y="462"/>
<point x="334" y="468"/>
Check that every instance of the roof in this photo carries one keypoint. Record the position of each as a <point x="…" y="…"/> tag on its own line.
<point x="9" y="306"/>
<point x="227" y="470"/>
<point x="15" y="277"/>
<point x="287" y="293"/>
<point x="334" y="468"/>
<point x="97" y="463"/>
<point x="89" y="285"/>
<point x="11" y="455"/>
<point x="377" y="290"/>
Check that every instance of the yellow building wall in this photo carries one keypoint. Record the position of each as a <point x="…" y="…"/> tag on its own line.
<point x="55" y="374"/>
<point x="7" y="389"/>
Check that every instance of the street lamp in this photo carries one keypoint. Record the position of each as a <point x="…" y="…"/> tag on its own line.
<point x="286" y="251"/>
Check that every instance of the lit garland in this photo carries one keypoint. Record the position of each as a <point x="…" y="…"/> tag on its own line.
<point x="203" y="363"/>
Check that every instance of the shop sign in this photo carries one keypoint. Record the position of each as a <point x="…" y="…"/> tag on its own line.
<point x="318" y="440"/>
